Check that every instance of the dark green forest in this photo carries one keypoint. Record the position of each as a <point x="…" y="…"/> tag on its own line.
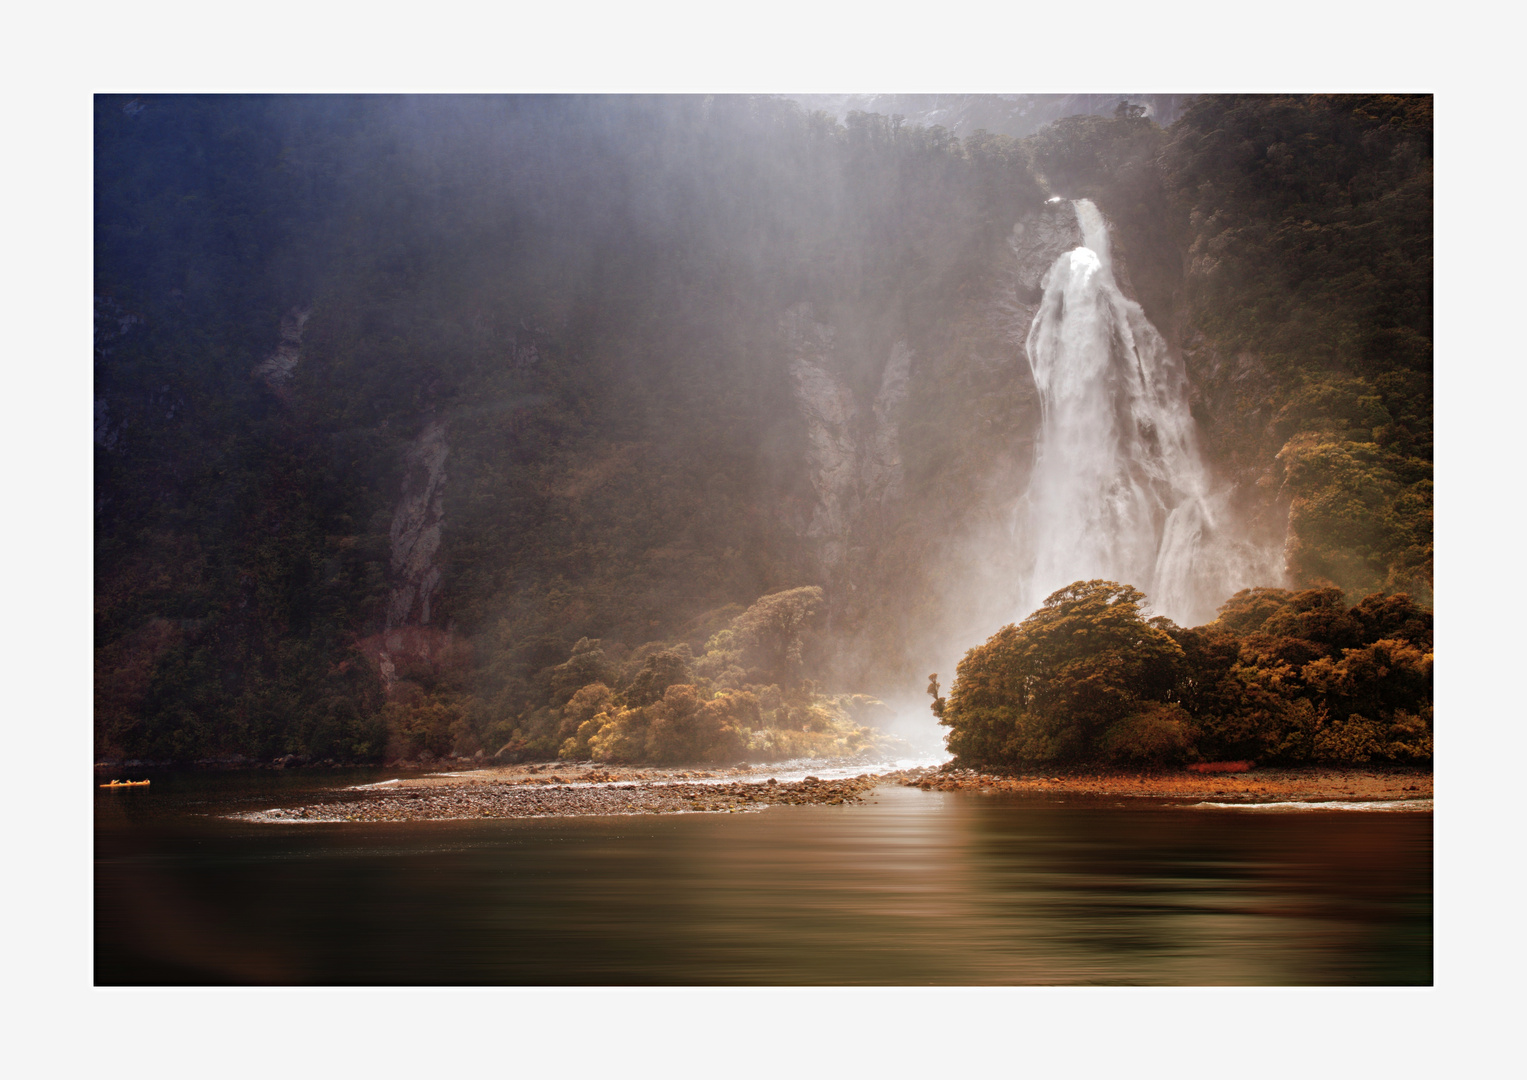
<point x="432" y="426"/>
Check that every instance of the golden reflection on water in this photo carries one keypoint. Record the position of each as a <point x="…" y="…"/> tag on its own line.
<point x="949" y="888"/>
<point x="914" y="888"/>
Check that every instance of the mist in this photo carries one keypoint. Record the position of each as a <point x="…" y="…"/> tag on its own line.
<point x="851" y="539"/>
<point x="613" y="369"/>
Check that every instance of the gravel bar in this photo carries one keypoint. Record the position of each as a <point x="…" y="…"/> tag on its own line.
<point x="1261" y="785"/>
<point x="469" y="796"/>
<point x="585" y="789"/>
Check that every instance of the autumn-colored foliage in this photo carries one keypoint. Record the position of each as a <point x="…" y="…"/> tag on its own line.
<point x="585" y="293"/>
<point x="743" y="696"/>
<point x="1083" y="677"/>
<point x="1279" y="676"/>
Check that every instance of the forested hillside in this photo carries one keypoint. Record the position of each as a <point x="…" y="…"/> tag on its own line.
<point x="1287" y="243"/>
<point x="423" y="423"/>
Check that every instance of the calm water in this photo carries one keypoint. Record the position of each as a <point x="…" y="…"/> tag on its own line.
<point x="914" y="888"/>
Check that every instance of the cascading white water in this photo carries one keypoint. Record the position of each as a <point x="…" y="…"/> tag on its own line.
<point x="1119" y="490"/>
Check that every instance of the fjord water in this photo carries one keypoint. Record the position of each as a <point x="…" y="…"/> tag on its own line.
<point x="1119" y="490"/>
<point x="912" y="888"/>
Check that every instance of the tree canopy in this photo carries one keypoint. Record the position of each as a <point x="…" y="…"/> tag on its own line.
<point x="1079" y="672"/>
<point x="584" y="294"/>
<point x="1279" y="676"/>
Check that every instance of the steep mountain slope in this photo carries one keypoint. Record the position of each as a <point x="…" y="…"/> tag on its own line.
<point x="1285" y="246"/>
<point x="403" y="403"/>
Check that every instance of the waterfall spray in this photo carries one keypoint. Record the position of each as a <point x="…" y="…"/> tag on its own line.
<point x="1119" y="489"/>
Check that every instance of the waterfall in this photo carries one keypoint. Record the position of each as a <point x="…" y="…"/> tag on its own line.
<point x="1119" y="489"/>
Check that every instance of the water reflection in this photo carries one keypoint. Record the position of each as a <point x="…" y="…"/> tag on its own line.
<point x="916" y="888"/>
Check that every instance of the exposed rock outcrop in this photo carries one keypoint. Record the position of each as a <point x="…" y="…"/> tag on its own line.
<point x="407" y="652"/>
<point x="854" y="455"/>
<point x="278" y="369"/>
<point x="416" y="526"/>
<point x="882" y="463"/>
<point x="1036" y="241"/>
<point x="408" y="643"/>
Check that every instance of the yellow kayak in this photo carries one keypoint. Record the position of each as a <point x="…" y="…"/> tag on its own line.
<point x="127" y="783"/>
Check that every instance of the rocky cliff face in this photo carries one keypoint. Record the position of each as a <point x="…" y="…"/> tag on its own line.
<point x="963" y="553"/>
<point x="984" y="387"/>
<point x="409" y="642"/>
<point x="1035" y="243"/>
<point x="854" y="453"/>
<point x="279" y="368"/>
<point x="684" y="439"/>
<point x="415" y="532"/>
<point x="913" y="568"/>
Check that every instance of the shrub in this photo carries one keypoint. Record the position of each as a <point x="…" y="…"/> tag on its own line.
<point x="419" y="724"/>
<point x="1279" y="676"/>
<point x="1159" y="734"/>
<point x="584" y="705"/>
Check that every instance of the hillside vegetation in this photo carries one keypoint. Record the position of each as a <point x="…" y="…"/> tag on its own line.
<point x="582" y="299"/>
<point x="1287" y="244"/>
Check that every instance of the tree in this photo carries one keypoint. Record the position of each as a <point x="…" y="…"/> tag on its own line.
<point x="1298" y="676"/>
<point x="772" y="633"/>
<point x="586" y="665"/>
<point x="658" y="672"/>
<point x="1085" y="677"/>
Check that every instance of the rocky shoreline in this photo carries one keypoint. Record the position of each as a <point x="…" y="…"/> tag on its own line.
<point x="1309" y="784"/>
<point x="580" y="790"/>
<point x="588" y="789"/>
